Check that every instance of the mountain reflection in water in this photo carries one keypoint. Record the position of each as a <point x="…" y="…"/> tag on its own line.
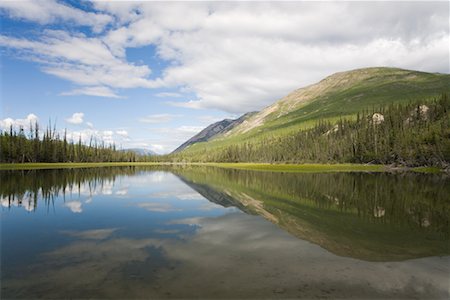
<point x="207" y="232"/>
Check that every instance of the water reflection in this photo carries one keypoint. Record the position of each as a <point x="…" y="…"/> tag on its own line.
<point x="368" y="216"/>
<point x="24" y="188"/>
<point x="207" y="233"/>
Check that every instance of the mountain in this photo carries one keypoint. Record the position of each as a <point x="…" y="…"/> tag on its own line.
<point x="273" y="132"/>
<point x="142" y="151"/>
<point x="345" y="94"/>
<point x="214" y="130"/>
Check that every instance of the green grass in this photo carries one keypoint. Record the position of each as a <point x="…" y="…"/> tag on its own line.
<point x="301" y="168"/>
<point x="431" y="170"/>
<point x="292" y="168"/>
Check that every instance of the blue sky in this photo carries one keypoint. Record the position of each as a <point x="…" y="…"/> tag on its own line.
<point x="151" y="75"/>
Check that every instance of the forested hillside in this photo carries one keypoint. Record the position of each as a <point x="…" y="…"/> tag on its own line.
<point x="411" y="134"/>
<point x="343" y="95"/>
<point x="335" y="120"/>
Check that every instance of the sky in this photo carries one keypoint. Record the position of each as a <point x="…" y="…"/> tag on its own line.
<point x="153" y="74"/>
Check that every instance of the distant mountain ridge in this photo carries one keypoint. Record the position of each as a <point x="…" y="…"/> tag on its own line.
<point x="214" y="130"/>
<point x="141" y="151"/>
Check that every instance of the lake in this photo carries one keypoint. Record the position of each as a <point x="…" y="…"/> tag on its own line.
<point x="204" y="232"/>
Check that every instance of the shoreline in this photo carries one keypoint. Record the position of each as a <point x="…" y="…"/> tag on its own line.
<point x="278" y="167"/>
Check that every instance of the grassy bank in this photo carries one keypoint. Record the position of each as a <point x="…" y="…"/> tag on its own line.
<point x="293" y="168"/>
<point x="302" y="168"/>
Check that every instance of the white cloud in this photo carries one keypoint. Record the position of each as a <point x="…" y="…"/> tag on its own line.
<point x="157" y="148"/>
<point x="91" y="134"/>
<point x="180" y="131"/>
<point x="212" y="119"/>
<point x="98" y="91"/>
<point x="51" y="11"/>
<point x="124" y="11"/>
<point x="25" y="123"/>
<point x="169" y="138"/>
<point x="122" y="133"/>
<point x="246" y="56"/>
<point x="158" y="118"/>
<point x="82" y="60"/>
<point x="168" y="95"/>
<point x="76" y="118"/>
<point x="152" y="144"/>
<point x="235" y="56"/>
<point x="165" y="139"/>
<point x="239" y="57"/>
<point x="107" y="136"/>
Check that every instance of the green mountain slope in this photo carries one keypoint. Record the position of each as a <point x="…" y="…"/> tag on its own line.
<point x="339" y="96"/>
<point x="345" y="94"/>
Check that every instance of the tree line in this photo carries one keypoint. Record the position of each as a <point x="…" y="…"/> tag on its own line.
<point x="412" y="134"/>
<point x="18" y="146"/>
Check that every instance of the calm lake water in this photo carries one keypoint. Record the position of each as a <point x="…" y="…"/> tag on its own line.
<point x="190" y="232"/>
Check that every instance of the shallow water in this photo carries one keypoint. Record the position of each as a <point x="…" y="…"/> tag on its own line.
<point x="216" y="233"/>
